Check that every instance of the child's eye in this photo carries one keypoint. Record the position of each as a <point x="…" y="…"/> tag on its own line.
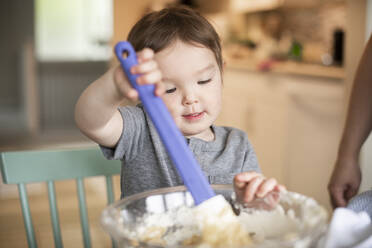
<point x="170" y="90"/>
<point x="204" y="81"/>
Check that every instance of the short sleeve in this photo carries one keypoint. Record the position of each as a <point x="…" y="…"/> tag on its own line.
<point x="133" y="136"/>
<point x="250" y="160"/>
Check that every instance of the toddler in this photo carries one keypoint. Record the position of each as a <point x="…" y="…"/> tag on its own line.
<point x="179" y="51"/>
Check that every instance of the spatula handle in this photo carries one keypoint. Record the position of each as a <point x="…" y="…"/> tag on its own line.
<point x="173" y="140"/>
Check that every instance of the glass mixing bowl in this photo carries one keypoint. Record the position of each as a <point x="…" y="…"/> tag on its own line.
<point x="123" y="217"/>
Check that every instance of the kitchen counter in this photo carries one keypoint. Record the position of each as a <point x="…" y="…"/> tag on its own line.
<point x="287" y="67"/>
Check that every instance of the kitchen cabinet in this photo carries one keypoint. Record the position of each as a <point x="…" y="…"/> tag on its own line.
<point x="294" y="123"/>
<point x="315" y="121"/>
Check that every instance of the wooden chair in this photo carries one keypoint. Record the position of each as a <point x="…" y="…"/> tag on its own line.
<point x="22" y="167"/>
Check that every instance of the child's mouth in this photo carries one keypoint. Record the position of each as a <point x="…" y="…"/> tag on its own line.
<point x="194" y="116"/>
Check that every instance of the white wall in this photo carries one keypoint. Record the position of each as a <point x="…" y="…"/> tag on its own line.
<point x="366" y="155"/>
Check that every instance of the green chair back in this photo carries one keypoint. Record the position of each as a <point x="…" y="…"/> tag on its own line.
<point x="22" y="167"/>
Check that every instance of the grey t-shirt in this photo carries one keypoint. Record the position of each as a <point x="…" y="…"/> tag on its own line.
<point x="146" y="164"/>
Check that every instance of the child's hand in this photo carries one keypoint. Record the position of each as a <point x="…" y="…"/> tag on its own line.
<point x="249" y="185"/>
<point x="150" y="74"/>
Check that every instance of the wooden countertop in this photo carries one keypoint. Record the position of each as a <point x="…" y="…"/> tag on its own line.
<point x="287" y="67"/>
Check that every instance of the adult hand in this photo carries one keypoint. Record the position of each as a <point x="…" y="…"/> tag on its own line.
<point x="345" y="181"/>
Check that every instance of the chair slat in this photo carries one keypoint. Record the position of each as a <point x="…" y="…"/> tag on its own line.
<point x="83" y="212"/>
<point x="109" y="189"/>
<point x="110" y="198"/>
<point x="54" y="215"/>
<point x="31" y="240"/>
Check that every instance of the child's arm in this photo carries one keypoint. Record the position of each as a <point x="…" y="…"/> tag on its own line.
<point x="96" y="112"/>
<point x="249" y="185"/>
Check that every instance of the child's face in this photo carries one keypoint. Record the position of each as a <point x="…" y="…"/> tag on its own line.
<point x="193" y="87"/>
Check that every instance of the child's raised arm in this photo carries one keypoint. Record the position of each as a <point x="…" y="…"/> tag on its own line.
<point x="96" y="112"/>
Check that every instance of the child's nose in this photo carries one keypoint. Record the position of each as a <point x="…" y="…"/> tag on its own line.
<point x="190" y="99"/>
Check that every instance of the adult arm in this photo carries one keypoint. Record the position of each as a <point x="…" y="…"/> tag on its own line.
<point x="346" y="176"/>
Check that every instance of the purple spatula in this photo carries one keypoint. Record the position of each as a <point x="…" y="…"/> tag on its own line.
<point x="173" y="140"/>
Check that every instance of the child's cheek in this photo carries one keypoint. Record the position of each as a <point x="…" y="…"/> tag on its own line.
<point x="171" y="103"/>
<point x="167" y="99"/>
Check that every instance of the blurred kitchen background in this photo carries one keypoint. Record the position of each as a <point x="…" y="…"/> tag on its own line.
<point x="289" y="70"/>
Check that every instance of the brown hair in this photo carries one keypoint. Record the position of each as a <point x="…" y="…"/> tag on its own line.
<point x="157" y="30"/>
